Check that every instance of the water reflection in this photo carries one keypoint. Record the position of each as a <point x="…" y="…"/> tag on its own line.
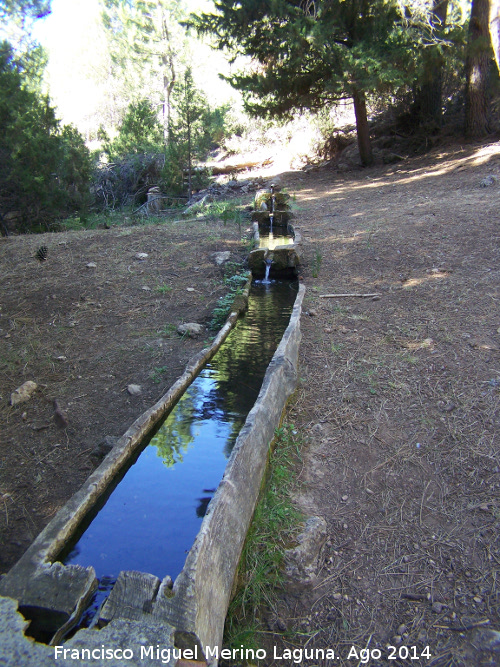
<point x="271" y="240"/>
<point x="151" y="519"/>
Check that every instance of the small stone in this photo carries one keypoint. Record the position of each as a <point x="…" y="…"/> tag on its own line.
<point x="302" y="561"/>
<point x="191" y="329"/>
<point x="489" y="180"/>
<point x="190" y="289"/>
<point x="23" y="393"/>
<point x="146" y="288"/>
<point x="375" y="298"/>
<point x="91" y="265"/>
<point x="134" y="389"/>
<point x="477" y="599"/>
<point x="337" y="596"/>
<point x="104" y="447"/>
<point x="345" y="498"/>
<point x="313" y="313"/>
<point x="61" y="358"/>
<point x="401" y="629"/>
<point x="60" y="416"/>
<point x="141" y="256"/>
<point x="222" y="257"/>
<point x="437" y="607"/>
<point x="397" y="639"/>
<point x="487" y="639"/>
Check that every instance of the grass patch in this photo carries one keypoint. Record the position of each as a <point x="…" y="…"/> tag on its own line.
<point x="164" y="289"/>
<point x="316" y="266"/>
<point x="274" y="525"/>
<point x="235" y="279"/>
<point x="157" y="373"/>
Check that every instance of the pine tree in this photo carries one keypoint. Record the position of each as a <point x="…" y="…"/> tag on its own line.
<point x="428" y="100"/>
<point x="44" y="169"/>
<point x="308" y="55"/>
<point x="146" y="41"/>
<point x="477" y="67"/>
<point x="494" y="20"/>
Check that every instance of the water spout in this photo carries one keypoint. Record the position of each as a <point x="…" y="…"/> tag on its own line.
<point x="268" y="261"/>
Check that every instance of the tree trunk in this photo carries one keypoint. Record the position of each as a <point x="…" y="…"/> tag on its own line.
<point x="495" y="29"/>
<point x="476" y="67"/>
<point x="428" y="100"/>
<point x="362" y="129"/>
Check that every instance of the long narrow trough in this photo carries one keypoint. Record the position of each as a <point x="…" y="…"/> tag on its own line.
<point x="146" y="607"/>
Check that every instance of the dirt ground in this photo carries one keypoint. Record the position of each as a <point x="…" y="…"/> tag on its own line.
<point x="398" y="398"/>
<point x="399" y="403"/>
<point x="83" y="325"/>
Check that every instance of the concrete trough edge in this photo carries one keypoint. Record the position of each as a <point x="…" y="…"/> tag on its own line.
<point x="202" y="590"/>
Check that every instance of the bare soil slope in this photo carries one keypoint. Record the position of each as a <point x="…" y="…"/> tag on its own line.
<point x="399" y="401"/>
<point x="84" y="324"/>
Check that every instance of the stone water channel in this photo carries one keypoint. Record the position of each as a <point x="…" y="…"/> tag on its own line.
<point x="150" y="520"/>
<point x="144" y="520"/>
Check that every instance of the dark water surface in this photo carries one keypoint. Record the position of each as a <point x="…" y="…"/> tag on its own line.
<point x="152" y="517"/>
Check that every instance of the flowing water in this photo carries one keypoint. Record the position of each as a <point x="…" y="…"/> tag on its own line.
<point x="150" y="520"/>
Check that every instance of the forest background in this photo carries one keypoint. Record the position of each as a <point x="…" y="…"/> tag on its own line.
<point x="154" y="101"/>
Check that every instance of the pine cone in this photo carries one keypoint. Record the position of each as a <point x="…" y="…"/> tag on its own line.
<point x="41" y="253"/>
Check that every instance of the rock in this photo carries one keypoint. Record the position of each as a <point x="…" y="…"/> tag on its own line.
<point x="141" y="256"/>
<point x="191" y="329"/>
<point x="487" y="639"/>
<point x="489" y="180"/>
<point x="301" y="563"/>
<point x="91" y="265"/>
<point x="222" y="257"/>
<point x="134" y="389"/>
<point x="437" y="607"/>
<point x="60" y="417"/>
<point x="23" y="393"/>
<point x="104" y="447"/>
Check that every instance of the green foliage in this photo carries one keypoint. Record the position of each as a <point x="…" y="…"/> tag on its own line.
<point x="274" y="525"/>
<point x="44" y="169"/>
<point x="234" y="279"/>
<point x="147" y="46"/>
<point x="318" y="259"/>
<point x="157" y="373"/>
<point x="311" y="54"/>
<point x="22" y="10"/>
<point x="175" y="435"/>
<point x="139" y="132"/>
<point x="141" y="157"/>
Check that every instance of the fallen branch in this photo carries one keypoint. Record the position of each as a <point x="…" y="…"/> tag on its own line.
<point x="343" y="296"/>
